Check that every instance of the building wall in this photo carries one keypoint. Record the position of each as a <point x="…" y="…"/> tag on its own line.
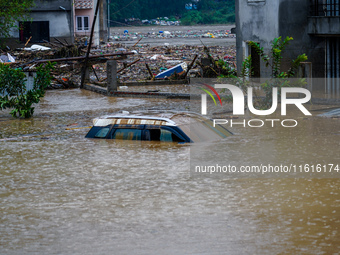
<point x="52" y="5"/>
<point x="263" y="20"/>
<point x="100" y="29"/>
<point x="293" y="21"/>
<point x="84" y="12"/>
<point x="59" y="14"/>
<point x="61" y="18"/>
<point x="255" y="21"/>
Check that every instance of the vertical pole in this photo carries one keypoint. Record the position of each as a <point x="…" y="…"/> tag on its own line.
<point x="111" y="69"/>
<point x="337" y="76"/>
<point x="328" y="66"/>
<point x="108" y="20"/>
<point x="85" y="66"/>
<point x="72" y="12"/>
<point x="87" y="75"/>
<point x="332" y="65"/>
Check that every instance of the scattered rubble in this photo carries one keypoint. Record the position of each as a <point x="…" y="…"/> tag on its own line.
<point x="194" y="33"/>
<point x="136" y="63"/>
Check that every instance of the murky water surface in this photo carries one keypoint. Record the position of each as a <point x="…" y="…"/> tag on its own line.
<point x="63" y="194"/>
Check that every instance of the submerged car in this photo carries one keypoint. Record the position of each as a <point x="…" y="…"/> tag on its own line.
<point x="182" y="127"/>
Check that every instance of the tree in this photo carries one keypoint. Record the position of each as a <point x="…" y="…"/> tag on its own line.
<point x="207" y="12"/>
<point x="211" y="12"/>
<point x="145" y="9"/>
<point x="12" y="11"/>
<point x="192" y="18"/>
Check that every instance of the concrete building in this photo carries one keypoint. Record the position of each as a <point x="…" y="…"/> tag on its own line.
<point x="314" y="25"/>
<point x="62" y="19"/>
<point x="46" y="20"/>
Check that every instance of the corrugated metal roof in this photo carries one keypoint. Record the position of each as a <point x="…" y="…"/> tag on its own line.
<point x="83" y="4"/>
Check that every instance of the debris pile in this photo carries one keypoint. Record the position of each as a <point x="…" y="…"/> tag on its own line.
<point x="160" y="59"/>
<point x="65" y="74"/>
<point x="136" y="63"/>
<point x="194" y="33"/>
<point x="148" y="62"/>
<point x="212" y="68"/>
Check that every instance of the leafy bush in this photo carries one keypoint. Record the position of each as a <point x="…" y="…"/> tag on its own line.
<point x="278" y="79"/>
<point x="13" y="92"/>
<point x="10" y="13"/>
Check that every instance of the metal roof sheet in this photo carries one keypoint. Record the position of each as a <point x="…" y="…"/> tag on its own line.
<point x="83" y="4"/>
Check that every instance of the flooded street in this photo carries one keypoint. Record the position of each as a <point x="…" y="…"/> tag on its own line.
<point x="63" y="194"/>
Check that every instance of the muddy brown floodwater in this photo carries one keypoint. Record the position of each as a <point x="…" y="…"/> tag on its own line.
<point x="63" y="194"/>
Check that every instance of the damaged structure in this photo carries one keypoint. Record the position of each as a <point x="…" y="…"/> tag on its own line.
<point x="62" y="19"/>
<point x="314" y="25"/>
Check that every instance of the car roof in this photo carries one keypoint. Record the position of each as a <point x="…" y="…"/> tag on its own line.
<point x="197" y="127"/>
<point x="155" y="117"/>
<point x="132" y="120"/>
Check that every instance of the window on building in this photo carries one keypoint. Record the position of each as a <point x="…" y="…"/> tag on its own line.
<point x="82" y="23"/>
<point x="326" y="8"/>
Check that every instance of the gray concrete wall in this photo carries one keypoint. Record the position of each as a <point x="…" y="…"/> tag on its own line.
<point x="324" y="26"/>
<point x="293" y="22"/>
<point x="60" y="20"/>
<point x="52" y="5"/>
<point x="263" y="21"/>
<point x="256" y="21"/>
<point x="60" y="15"/>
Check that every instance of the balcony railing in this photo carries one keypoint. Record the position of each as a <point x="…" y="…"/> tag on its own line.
<point x="325" y="8"/>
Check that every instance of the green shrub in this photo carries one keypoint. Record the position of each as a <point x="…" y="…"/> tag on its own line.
<point x="278" y="78"/>
<point x="13" y="92"/>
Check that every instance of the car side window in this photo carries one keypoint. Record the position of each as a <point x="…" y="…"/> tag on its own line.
<point x="154" y="134"/>
<point x="127" y="134"/>
<point x="102" y="133"/>
<point x="166" y="136"/>
<point x="162" y="135"/>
